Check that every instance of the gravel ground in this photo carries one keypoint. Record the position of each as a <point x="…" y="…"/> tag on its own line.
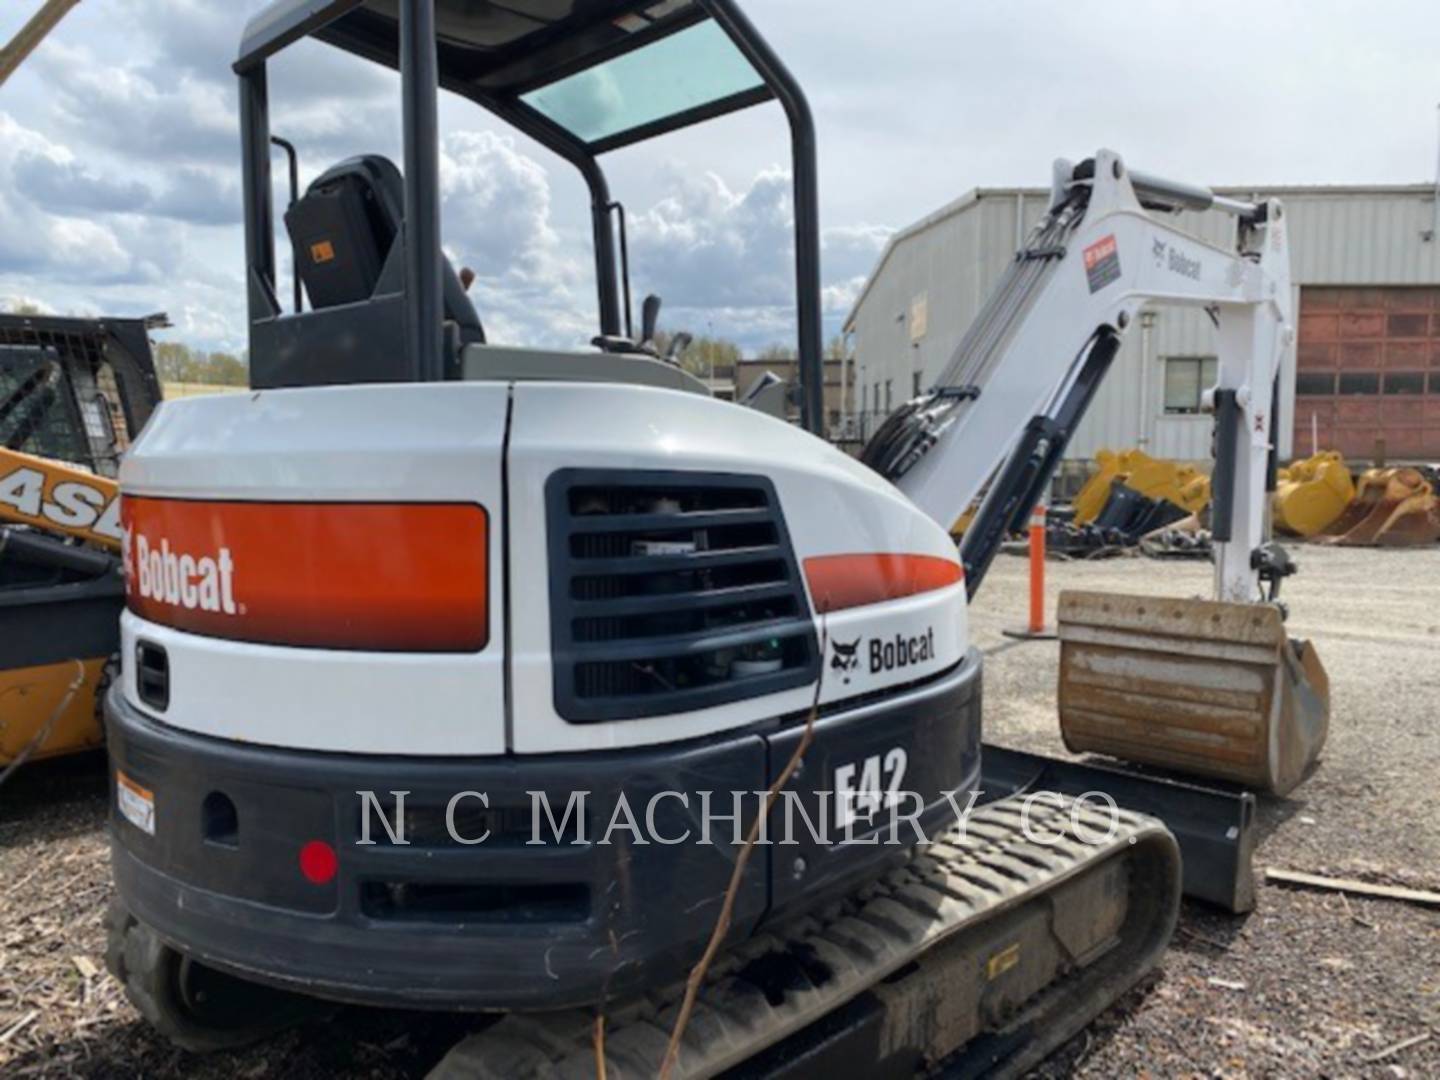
<point x="1311" y="984"/>
<point x="1327" y="982"/>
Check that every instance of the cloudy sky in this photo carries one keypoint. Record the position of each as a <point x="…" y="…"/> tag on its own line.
<point x="119" y="168"/>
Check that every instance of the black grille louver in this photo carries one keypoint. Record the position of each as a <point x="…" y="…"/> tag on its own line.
<point x="670" y="592"/>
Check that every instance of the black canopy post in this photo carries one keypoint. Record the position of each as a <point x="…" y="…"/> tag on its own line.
<point x="293" y="162"/>
<point x="255" y="180"/>
<point x="420" y="91"/>
<point x="806" y="167"/>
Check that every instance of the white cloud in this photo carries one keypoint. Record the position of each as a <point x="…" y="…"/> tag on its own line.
<point x="532" y="286"/>
<point x="119" y="154"/>
<point x="33" y="240"/>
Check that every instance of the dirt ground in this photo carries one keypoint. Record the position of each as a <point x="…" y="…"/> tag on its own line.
<point x="1310" y="984"/>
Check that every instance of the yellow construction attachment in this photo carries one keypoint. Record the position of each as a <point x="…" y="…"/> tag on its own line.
<point x="59" y="500"/>
<point x="1183" y="485"/>
<point x="1201" y="687"/>
<point x="1096" y="492"/>
<point x="1311" y="495"/>
<point x="32" y="698"/>
<point x="1392" y="508"/>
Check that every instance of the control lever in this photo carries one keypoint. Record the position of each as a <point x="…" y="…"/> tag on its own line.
<point x="678" y="344"/>
<point x="649" y="321"/>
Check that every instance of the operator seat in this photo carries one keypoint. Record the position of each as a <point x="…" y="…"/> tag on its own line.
<point x="343" y="229"/>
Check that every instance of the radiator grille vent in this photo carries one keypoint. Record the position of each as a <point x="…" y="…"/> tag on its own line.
<point x="671" y="591"/>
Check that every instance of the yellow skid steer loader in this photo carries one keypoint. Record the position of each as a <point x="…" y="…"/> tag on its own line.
<point x="71" y="393"/>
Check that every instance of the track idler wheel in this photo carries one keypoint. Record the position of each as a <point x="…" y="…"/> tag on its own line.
<point x="195" y="1006"/>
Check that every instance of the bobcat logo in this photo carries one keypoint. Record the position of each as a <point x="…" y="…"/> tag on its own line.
<point x="846" y="659"/>
<point x="1158" y="250"/>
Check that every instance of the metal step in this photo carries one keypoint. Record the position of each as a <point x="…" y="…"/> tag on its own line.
<point x="990" y="937"/>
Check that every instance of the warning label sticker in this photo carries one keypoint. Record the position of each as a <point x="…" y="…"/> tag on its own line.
<point x="136" y="804"/>
<point x="1102" y="263"/>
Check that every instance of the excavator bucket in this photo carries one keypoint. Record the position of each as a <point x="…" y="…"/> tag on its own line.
<point x="1393" y="508"/>
<point x="1092" y="498"/>
<point x="1415" y="523"/>
<point x="1162" y="481"/>
<point x="1200" y="687"/>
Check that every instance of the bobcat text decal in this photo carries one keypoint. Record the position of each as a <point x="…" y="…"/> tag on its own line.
<point x="203" y="583"/>
<point x="883" y="653"/>
<point x="407" y="577"/>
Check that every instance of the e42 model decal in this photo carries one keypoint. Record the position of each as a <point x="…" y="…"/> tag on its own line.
<point x="59" y="498"/>
<point x="865" y="788"/>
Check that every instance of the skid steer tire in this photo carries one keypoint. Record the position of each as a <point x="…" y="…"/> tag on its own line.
<point x="195" y="1007"/>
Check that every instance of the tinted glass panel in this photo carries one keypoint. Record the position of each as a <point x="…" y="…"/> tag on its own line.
<point x="691" y="68"/>
<point x="1405" y="382"/>
<point x="1314" y="382"/>
<point x="1360" y="382"/>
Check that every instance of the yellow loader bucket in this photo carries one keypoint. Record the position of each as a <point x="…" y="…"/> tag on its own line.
<point x="1205" y="688"/>
<point x="1313" y="494"/>
<point x="1393" y="508"/>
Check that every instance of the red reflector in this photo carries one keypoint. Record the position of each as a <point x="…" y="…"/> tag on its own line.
<point x="383" y="576"/>
<point x="846" y="581"/>
<point x="318" y="862"/>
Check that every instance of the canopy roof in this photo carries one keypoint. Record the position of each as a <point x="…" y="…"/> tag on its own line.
<point x="606" y="73"/>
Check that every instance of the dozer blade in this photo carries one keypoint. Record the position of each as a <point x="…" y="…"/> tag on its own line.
<point x="1200" y="687"/>
<point x="989" y="949"/>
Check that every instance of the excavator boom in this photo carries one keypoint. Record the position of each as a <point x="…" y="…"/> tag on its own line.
<point x="1010" y="400"/>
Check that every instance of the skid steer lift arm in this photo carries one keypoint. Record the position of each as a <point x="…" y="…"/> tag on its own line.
<point x="1022" y="378"/>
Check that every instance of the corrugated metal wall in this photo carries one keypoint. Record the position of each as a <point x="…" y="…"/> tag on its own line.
<point x="1347" y="236"/>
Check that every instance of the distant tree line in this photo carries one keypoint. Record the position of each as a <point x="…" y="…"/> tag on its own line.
<point x="182" y="364"/>
<point x="706" y="354"/>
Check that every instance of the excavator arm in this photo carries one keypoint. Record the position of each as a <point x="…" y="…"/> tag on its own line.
<point x="1022" y="378"/>
<point x="1214" y="688"/>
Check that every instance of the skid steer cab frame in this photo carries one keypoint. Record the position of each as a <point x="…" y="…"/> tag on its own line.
<point x="395" y="312"/>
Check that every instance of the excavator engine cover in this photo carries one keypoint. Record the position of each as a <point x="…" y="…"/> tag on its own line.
<point x="1196" y="686"/>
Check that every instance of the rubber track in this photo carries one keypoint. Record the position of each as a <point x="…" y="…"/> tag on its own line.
<point x="953" y="884"/>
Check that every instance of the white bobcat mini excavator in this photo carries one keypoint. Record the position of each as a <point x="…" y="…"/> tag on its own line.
<point x="417" y="625"/>
<point x="1213" y="688"/>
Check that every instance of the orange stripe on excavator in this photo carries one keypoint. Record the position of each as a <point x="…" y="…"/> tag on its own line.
<point x="846" y="581"/>
<point x="408" y="577"/>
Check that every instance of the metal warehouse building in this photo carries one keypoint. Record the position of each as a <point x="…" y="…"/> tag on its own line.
<point x="1363" y="378"/>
